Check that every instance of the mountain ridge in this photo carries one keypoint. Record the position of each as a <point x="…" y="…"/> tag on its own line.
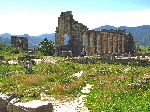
<point x="141" y="34"/>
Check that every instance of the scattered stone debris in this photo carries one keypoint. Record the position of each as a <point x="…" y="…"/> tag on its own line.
<point x="37" y="61"/>
<point x="13" y="62"/>
<point x="49" y="60"/>
<point x="78" y="74"/>
<point x="3" y="62"/>
<point x="4" y="100"/>
<point x="141" y="84"/>
<point x="33" y="106"/>
<point x="87" y="88"/>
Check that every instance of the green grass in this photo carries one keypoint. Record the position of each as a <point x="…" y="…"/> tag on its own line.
<point x="144" y="49"/>
<point x="110" y="93"/>
<point x="52" y="79"/>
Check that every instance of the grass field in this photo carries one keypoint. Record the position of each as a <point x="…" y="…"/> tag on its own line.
<point x="111" y="91"/>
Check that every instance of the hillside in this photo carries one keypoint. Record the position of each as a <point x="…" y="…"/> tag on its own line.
<point x="141" y="33"/>
<point x="33" y="40"/>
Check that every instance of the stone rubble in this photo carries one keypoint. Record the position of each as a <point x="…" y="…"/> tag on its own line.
<point x="48" y="60"/>
<point x="10" y="103"/>
<point x="78" y="74"/>
<point x="87" y="88"/>
<point x="37" y="61"/>
<point x="13" y="62"/>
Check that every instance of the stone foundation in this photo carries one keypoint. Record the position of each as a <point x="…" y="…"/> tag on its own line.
<point x="9" y="103"/>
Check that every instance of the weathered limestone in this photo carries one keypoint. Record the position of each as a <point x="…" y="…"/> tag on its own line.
<point x="93" y="46"/>
<point x="110" y="43"/>
<point x="114" y="44"/>
<point x="4" y="100"/>
<point x="86" y="42"/>
<point x="3" y="103"/>
<point x="32" y="106"/>
<point x="99" y="43"/>
<point x="9" y="103"/>
<point x="92" y="42"/>
<point x="118" y="47"/>
<point x="75" y="30"/>
<point x="20" y="41"/>
<point x="123" y="43"/>
<point x="104" y="42"/>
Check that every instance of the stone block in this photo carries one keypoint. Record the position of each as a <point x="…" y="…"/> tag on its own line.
<point x="10" y="103"/>
<point x="4" y="100"/>
<point x="32" y="106"/>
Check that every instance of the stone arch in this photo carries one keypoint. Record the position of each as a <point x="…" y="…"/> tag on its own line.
<point x="91" y="41"/>
<point x="66" y="39"/>
<point x="67" y="25"/>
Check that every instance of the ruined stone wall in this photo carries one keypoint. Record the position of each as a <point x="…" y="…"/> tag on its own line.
<point x="104" y="42"/>
<point x="92" y="42"/>
<point x="21" y="42"/>
<point x="67" y="25"/>
<point x="10" y="103"/>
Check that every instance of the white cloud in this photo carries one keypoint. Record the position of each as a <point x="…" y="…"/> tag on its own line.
<point x="131" y="18"/>
<point x="32" y="24"/>
<point x="39" y="23"/>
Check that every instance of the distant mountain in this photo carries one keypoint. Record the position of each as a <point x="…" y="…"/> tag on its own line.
<point x="5" y="39"/>
<point x="141" y="34"/>
<point x="33" y="40"/>
<point x="6" y="35"/>
<point x="108" y="27"/>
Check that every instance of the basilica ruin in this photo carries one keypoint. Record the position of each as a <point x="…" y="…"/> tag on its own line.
<point x="91" y="41"/>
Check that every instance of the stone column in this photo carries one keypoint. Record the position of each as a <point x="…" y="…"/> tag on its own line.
<point x="61" y="39"/>
<point x="92" y="42"/>
<point x="99" y="42"/>
<point x="123" y="43"/>
<point x="118" y="45"/>
<point x="86" y="42"/>
<point x="114" y="43"/>
<point x="110" y="50"/>
<point x="104" y="43"/>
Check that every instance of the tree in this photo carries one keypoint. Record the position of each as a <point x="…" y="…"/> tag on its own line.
<point x="149" y="49"/>
<point x="46" y="47"/>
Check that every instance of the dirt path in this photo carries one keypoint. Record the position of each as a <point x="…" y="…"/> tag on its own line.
<point x="71" y="105"/>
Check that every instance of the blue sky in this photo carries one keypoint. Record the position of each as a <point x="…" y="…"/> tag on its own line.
<point x="36" y="17"/>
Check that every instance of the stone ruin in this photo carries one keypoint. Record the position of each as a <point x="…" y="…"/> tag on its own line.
<point x="104" y="42"/>
<point x="10" y="103"/>
<point x="20" y="42"/>
<point x="91" y="41"/>
<point x="67" y="25"/>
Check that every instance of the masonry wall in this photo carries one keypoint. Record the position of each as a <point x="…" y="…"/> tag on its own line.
<point x="92" y="42"/>
<point x="104" y="42"/>
<point x="21" y="42"/>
